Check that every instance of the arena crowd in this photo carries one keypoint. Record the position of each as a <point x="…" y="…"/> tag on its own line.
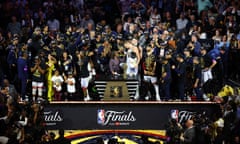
<point x="53" y="50"/>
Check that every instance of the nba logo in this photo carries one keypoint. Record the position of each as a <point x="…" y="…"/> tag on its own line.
<point x="174" y="114"/>
<point x="101" y="116"/>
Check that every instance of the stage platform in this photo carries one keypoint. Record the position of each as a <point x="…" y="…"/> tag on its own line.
<point x="132" y="102"/>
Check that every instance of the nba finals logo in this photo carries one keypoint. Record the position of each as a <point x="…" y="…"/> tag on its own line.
<point x="181" y="116"/>
<point x="117" y="118"/>
<point x="101" y="117"/>
<point x="174" y="114"/>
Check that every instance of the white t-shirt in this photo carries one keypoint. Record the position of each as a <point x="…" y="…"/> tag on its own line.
<point x="57" y="82"/>
<point x="71" y="88"/>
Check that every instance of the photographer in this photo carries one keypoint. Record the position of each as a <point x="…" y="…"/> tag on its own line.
<point x="174" y="130"/>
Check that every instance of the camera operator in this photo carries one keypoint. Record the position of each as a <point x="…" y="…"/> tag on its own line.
<point x="174" y="130"/>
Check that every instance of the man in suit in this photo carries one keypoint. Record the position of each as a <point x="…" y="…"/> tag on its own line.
<point x="189" y="134"/>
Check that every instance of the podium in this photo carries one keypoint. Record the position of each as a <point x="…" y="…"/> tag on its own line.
<point x="116" y="88"/>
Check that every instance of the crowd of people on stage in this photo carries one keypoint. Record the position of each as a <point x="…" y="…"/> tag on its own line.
<point x="52" y="50"/>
